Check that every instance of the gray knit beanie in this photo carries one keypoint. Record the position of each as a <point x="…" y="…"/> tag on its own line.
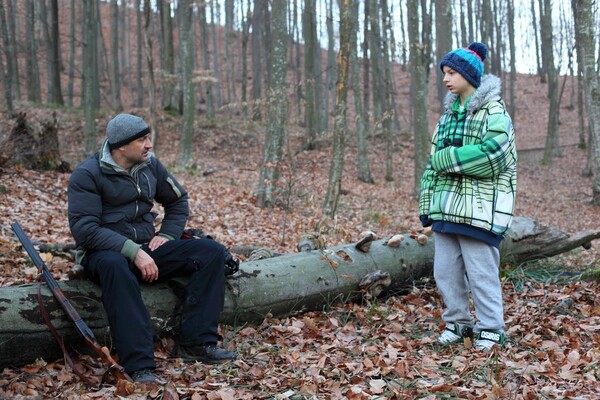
<point x="125" y="128"/>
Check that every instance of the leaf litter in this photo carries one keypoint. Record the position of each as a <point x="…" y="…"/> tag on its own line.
<point x="382" y="348"/>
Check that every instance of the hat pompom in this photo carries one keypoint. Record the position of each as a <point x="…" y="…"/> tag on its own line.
<point x="479" y="48"/>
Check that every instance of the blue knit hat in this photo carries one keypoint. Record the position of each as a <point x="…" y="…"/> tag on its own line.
<point x="467" y="61"/>
<point x="125" y="128"/>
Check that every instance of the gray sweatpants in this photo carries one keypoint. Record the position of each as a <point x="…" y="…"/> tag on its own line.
<point x="461" y="262"/>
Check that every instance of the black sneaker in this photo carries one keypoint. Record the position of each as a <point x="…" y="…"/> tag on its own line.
<point x="144" y="375"/>
<point x="207" y="353"/>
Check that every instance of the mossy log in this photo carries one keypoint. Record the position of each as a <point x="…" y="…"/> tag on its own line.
<point x="275" y="286"/>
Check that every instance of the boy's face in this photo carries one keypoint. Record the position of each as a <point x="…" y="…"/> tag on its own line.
<point x="456" y="83"/>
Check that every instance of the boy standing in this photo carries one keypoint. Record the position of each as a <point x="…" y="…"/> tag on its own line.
<point x="468" y="195"/>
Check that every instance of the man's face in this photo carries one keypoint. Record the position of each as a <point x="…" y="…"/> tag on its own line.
<point x="455" y="82"/>
<point x="136" y="151"/>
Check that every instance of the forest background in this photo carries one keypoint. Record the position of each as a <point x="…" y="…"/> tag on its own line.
<point x="283" y="121"/>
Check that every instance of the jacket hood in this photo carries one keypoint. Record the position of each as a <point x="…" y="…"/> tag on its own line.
<point x="106" y="161"/>
<point x="489" y="89"/>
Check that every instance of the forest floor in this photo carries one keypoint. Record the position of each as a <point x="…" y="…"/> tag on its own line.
<point x="376" y="350"/>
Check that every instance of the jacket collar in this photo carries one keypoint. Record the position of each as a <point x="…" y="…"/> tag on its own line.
<point x="489" y="89"/>
<point x="106" y="161"/>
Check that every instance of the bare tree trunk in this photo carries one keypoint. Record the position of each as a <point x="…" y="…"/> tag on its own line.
<point x="168" y="58"/>
<point x="187" y="61"/>
<point x="115" y="73"/>
<point x="312" y="103"/>
<point x="277" y="108"/>
<point x="419" y="72"/>
<point x="72" y="38"/>
<point x="90" y="41"/>
<point x="377" y="77"/>
<point x="366" y="64"/>
<point x="257" y="57"/>
<point x="51" y="35"/>
<point x="388" y="93"/>
<point x="31" y="61"/>
<point x="230" y="92"/>
<point x="125" y="31"/>
<point x="486" y="28"/>
<point x="207" y="85"/>
<point x="13" y="22"/>
<point x="586" y="31"/>
<point x="471" y="16"/>
<point x="443" y="42"/>
<point x="150" y="65"/>
<point x="8" y="75"/>
<point x="139" y="46"/>
<point x="215" y="17"/>
<point x="498" y="19"/>
<point x="245" y="37"/>
<point x="330" y="69"/>
<point x="364" y="170"/>
<point x="512" y="53"/>
<point x="340" y="127"/>
<point x="100" y="59"/>
<point x="297" y="62"/>
<point x="552" y="147"/>
<point x="461" y="35"/>
<point x="538" y="45"/>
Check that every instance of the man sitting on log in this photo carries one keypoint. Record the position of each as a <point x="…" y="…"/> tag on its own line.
<point x="110" y="199"/>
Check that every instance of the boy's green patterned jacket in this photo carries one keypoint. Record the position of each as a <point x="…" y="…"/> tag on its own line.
<point x="471" y="175"/>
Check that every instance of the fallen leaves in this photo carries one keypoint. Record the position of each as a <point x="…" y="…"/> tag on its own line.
<point x="380" y="349"/>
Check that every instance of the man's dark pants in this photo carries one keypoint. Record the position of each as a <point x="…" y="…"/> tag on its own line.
<point x="127" y="314"/>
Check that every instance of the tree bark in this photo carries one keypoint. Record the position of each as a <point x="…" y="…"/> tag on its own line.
<point x="419" y="34"/>
<point x="340" y="128"/>
<point x="187" y="60"/>
<point x="31" y="61"/>
<point x="389" y="113"/>
<point x="552" y="147"/>
<point x="312" y="102"/>
<point x="363" y="167"/>
<point x="115" y="74"/>
<point x="585" y="32"/>
<point x="90" y="42"/>
<point x="258" y="26"/>
<point x="443" y="43"/>
<point x="148" y="21"/>
<point x="228" y="58"/>
<point x="8" y="76"/>
<point x="208" y="84"/>
<point x="215" y="18"/>
<point x="72" y="27"/>
<point x="275" y="286"/>
<point x="139" y="50"/>
<point x="13" y="20"/>
<point x="49" y="21"/>
<point x="267" y="189"/>
<point x="246" y="22"/>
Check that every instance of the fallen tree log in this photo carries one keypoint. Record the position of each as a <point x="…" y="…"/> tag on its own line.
<point x="275" y="286"/>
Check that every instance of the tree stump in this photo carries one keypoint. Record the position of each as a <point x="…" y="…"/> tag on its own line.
<point x="37" y="151"/>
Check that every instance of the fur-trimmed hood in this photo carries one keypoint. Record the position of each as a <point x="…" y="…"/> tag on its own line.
<point x="489" y="89"/>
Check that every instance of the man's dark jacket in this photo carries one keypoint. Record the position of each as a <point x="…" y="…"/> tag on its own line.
<point x="111" y="208"/>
